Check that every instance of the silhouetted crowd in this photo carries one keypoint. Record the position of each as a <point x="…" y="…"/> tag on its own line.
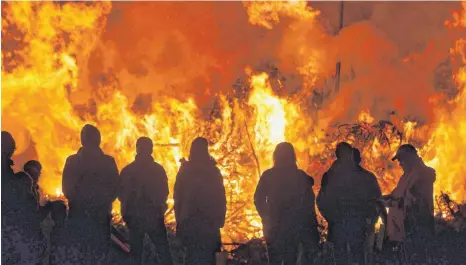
<point x="36" y="231"/>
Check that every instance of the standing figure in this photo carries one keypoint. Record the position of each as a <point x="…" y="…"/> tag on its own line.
<point x="32" y="172"/>
<point x="373" y="194"/>
<point x="284" y="200"/>
<point x="343" y="200"/>
<point x="412" y="205"/>
<point x="324" y="197"/>
<point x="21" y="242"/>
<point x="200" y="205"/>
<point x="143" y="196"/>
<point x="90" y="183"/>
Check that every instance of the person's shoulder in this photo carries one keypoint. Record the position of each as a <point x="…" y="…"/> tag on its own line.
<point x="128" y="168"/>
<point x="72" y="158"/>
<point x="268" y="173"/>
<point x="21" y="175"/>
<point x="109" y="157"/>
<point x="368" y="174"/>
<point x="185" y="165"/>
<point x="307" y="178"/>
<point x="158" y="166"/>
<point x="430" y="170"/>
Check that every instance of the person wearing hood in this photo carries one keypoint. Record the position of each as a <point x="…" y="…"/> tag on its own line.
<point x="90" y="183"/>
<point x="200" y="205"/>
<point x="143" y="195"/>
<point x="411" y="202"/>
<point x="284" y="200"/>
<point x="343" y="202"/>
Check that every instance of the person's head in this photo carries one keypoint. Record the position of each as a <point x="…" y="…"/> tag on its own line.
<point x="406" y="155"/>
<point x="34" y="169"/>
<point x="356" y="156"/>
<point x="57" y="210"/>
<point x="90" y="136"/>
<point x="8" y="144"/>
<point x="344" y="151"/>
<point x="199" y="150"/>
<point x="144" y="146"/>
<point x="284" y="155"/>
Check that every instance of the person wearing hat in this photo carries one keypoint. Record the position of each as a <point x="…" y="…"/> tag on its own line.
<point x="411" y="202"/>
<point x="90" y="183"/>
<point x="143" y="195"/>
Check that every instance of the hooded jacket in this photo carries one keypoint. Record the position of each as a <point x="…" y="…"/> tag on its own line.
<point x="199" y="196"/>
<point x="90" y="181"/>
<point x="285" y="201"/>
<point x="144" y="189"/>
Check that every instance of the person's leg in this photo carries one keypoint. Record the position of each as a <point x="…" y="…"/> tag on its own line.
<point x="275" y="253"/>
<point x="290" y="251"/>
<point x="136" y="241"/>
<point x="158" y="236"/>
<point x="195" y="253"/>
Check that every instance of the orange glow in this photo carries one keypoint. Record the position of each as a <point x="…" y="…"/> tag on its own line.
<point x="64" y="66"/>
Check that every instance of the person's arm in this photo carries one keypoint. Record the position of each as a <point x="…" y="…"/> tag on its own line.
<point x="69" y="179"/>
<point x="260" y="197"/>
<point x="114" y="180"/>
<point x="178" y="193"/>
<point x="123" y="190"/>
<point x="161" y="186"/>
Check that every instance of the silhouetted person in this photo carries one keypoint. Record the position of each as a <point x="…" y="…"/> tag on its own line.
<point x="285" y="201"/>
<point x="412" y="200"/>
<point x="373" y="194"/>
<point x="32" y="171"/>
<point x="90" y="183"/>
<point x="8" y="149"/>
<point x="143" y="196"/>
<point x="343" y="200"/>
<point x="21" y="242"/>
<point x="325" y="210"/>
<point x="200" y="205"/>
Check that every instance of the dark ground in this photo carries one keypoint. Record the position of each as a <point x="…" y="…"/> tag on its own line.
<point x="450" y="249"/>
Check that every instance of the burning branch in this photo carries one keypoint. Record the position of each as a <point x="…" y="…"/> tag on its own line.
<point x="256" y="159"/>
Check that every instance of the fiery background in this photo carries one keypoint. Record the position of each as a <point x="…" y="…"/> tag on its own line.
<point x="246" y="76"/>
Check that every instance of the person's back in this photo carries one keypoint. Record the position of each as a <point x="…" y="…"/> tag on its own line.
<point x="200" y="195"/>
<point x="285" y="192"/>
<point x="372" y="212"/>
<point x="92" y="188"/>
<point x="423" y="190"/>
<point x="200" y="205"/>
<point x="90" y="182"/>
<point x="144" y="188"/>
<point x="285" y="201"/>
<point x="345" y="204"/>
<point x="143" y="195"/>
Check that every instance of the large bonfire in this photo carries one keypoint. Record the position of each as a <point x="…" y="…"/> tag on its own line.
<point x="246" y="76"/>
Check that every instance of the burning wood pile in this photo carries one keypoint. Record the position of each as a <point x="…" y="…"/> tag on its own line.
<point x="76" y="67"/>
<point x="450" y="214"/>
